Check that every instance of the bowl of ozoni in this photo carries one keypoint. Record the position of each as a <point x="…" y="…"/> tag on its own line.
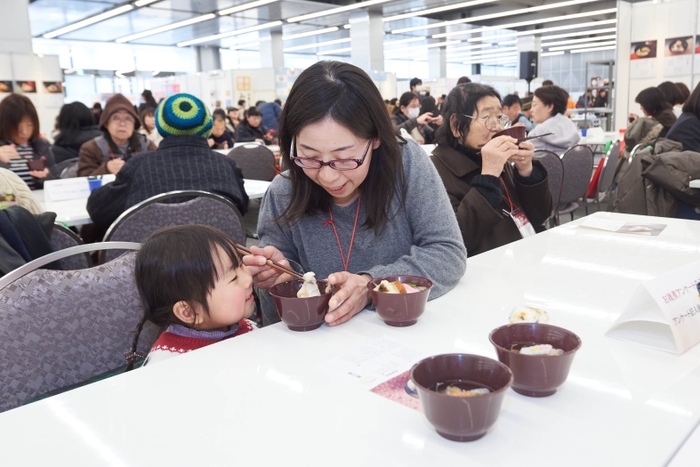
<point x="400" y="300"/>
<point x="461" y="394"/>
<point x="301" y="313"/>
<point x="539" y="355"/>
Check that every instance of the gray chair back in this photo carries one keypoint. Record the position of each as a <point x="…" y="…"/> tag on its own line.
<point x="255" y="160"/>
<point x="140" y="221"/>
<point x="578" y="168"/>
<point x="61" y="328"/>
<point x="62" y="238"/>
<point x="67" y="168"/>
<point x="555" y="172"/>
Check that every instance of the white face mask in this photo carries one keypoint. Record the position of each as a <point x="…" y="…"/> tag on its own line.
<point x="419" y="88"/>
<point x="414" y="112"/>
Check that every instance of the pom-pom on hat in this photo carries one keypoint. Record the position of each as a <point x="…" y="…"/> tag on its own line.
<point x="183" y="114"/>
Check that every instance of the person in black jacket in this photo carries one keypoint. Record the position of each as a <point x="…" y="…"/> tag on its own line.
<point x="75" y="127"/>
<point x="183" y="161"/>
<point x="252" y="128"/>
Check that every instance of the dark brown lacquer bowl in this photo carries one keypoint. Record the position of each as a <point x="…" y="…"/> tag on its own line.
<point x="460" y="418"/>
<point x="516" y="132"/>
<point x="535" y="375"/>
<point x="300" y="314"/>
<point x="400" y="309"/>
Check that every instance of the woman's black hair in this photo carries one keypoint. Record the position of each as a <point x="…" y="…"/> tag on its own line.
<point x="345" y="94"/>
<point x="72" y="119"/>
<point x="220" y="113"/>
<point x="178" y="264"/>
<point x="692" y="104"/>
<point x="671" y="93"/>
<point x="684" y="91"/>
<point x="554" y="96"/>
<point x="148" y="97"/>
<point x="461" y="101"/>
<point x="653" y="101"/>
<point x="146" y="112"/>
<point x="13" y="109"/>
<point x="252" y="112"/>
<point x="405" y="101"/>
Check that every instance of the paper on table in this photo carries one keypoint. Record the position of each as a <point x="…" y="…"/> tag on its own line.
<point x="381" y="366"/>
<point x="664" y="313"/>
<point x="611" y="225"/>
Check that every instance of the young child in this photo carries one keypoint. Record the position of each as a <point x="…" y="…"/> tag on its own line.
<point x="192" y="281"/>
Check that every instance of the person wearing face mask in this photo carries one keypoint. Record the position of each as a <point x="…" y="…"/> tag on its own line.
<point x="417" y="88"/>
<point x="407" y="116"/>
<point x="499" y="193"/>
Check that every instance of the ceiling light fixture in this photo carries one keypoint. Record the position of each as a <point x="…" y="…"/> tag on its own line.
<point x="551" y="54"/>
<point x="503" y="14"/>
<point x="334" y="11"/>
<point x="533" y="32"/>
<point x="141" y="3"/>
<point x="470" y="47"/>
<point x="155" y="73"/>
<point x="316" y="44"/>
<point x="430" y="11"/>
<point x="405" y="41"/>
<point x="422" y="47"/>
<point x="89" y="21"/>
<point x="315" y="32"/>
<point x="593" y="49"/>
<point x="335" y="51"/>
<point x="494" y="54"/>
<point x="236" y="32"/>
<point x="168" y="27"/>
<point x="508" y="42"/>
<point x="582" y="46"/>
<point x="578" y="33"/>
<point x="245" y="6"/>
<point x="245" y="45"/>
<point x="519" y="24"/>
<point x="578" y="41"/>
<point x="490" y="60"/>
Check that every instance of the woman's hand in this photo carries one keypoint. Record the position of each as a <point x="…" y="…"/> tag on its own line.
<point x="495" y="153"/>
<point x="8" y="152"/>
<point x="436" y="121"/>
<point x="424" y="119"/>
<point x="210" y="142"/>
<point x="265" y="276"/>
<point x="523" y="159"/>
<point x="39" y="173"/>
<point x="352" y="297"/>
<point x="115" y="165"/>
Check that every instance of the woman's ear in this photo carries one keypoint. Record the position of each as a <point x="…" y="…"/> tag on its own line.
<point x="376" y="143"/>
<point x="453" y="126"/>
<point x="185" y="313"/>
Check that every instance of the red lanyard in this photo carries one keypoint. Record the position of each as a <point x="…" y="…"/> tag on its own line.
<point x="112" y="154"/>
<point x="507" y="196"/>
<point x="346" y="263"/>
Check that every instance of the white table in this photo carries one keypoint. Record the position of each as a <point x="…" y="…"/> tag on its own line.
<point x="259" y="399"/>
<point x="73" y="212"/>
<point x="597" y="139"/>
<point x="695" y="184"/>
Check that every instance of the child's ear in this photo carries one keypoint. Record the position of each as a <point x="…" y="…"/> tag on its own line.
<point x="185" y="313"/>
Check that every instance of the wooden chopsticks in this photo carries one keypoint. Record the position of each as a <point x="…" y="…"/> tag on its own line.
<point x="245" y="251"/>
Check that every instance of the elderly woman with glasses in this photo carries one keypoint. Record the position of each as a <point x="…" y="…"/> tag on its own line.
<point x="356" y="203"/>
<point x="498" y="192"/>
<point x="119" y="140"/>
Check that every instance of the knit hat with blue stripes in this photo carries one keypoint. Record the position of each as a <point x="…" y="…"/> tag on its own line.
<point x="183" y="114"/>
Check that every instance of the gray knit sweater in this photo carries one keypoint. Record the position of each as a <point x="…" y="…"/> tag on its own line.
<point x="422" y="240"/>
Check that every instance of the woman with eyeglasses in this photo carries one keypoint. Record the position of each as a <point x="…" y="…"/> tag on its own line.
<point x="356" y="203"/>
<point x="119" y="140"/>
<point x="548" y="108"/>
<point x="498" y="192"/>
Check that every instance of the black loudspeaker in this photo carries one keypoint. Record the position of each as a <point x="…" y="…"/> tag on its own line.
<point x="528" y="65"/>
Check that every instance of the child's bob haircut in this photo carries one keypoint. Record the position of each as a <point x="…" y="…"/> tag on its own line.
<point x="180" y="264"/>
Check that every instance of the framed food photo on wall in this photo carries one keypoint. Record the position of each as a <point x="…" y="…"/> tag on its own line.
<point x="26" y="87"/>
<point x="642" y="60"/>
<point x="6" y="86"/>
<point x="678" y="56"/>
<point x="53" y="87"/>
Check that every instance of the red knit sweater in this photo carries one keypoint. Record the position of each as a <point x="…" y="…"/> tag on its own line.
<point x="170" y="344"/>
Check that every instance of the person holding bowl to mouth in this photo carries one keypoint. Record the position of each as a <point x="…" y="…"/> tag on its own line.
<point x="357" y="202"/>
<point x="499" y="193"/>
